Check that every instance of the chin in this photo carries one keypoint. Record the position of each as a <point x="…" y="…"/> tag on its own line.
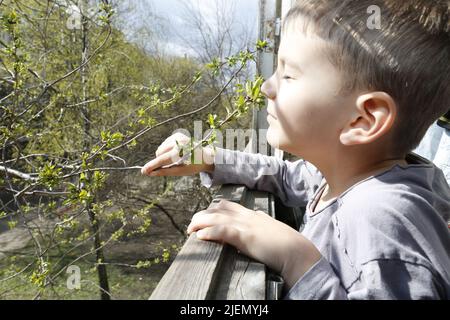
<point x="273" y="139"/>
<point x="278" y="141"/>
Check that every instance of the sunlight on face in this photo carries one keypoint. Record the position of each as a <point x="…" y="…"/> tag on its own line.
<point x="306" y="111"/>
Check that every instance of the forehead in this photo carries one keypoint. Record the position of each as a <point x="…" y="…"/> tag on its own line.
<point x="298" y="47"/>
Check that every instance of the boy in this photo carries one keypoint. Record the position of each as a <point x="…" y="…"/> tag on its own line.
<point x="353" y="102"/>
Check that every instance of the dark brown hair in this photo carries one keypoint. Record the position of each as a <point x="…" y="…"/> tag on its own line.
<point x="408" y="57"/>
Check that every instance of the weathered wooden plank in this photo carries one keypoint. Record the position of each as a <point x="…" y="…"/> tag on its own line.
<point x="248" y="280"/>
<point x="239" y="277"/>
<point x="191" y="274"/>
<point x="206" y="270"/>
<point x="195" y="269"/>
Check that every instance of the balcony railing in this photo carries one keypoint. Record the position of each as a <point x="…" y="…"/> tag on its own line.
<point x="207" y="270"/>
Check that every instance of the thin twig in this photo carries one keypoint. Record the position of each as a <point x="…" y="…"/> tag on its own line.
<point x="168" y="215"/>
<point x="39" y="193"/>
<point x="206" y="106"/>
<point x="70" y="73"/>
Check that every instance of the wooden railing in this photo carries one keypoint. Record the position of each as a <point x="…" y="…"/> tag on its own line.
<point x="207" y="270"/>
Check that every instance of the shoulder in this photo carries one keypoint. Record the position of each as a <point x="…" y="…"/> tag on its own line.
<point x="391" y="218"/>
<point x="377" y="204"/>
<point x="399" y="196"/>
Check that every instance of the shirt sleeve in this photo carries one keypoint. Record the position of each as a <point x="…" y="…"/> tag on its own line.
<point x="318" y="283"/>
<point x="293" y="182"/>
<point x="381" y="280"/>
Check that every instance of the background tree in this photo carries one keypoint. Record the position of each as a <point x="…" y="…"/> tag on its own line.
<point x="81" y="109"/>
<point x="216" y="36"/>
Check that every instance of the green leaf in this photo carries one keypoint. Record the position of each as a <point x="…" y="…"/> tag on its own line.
<point x="39" y="275"/>
<point x="249" y="88"/>
<point x="166" y="255"/>
<point x="261" y="45"/>
<point x="212" y="121"/>
<point x="214" y="66"/>
<point x="12" y="224"/>
<point x="141" y="113"/>
<point x="49" y="175"/>
<point x="143" y="264"/>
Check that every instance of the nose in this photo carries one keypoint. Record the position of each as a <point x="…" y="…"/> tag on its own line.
<point x="268" y="88"/>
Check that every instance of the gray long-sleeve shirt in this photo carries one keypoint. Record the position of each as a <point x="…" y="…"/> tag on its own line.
<point x="384" y="238"/>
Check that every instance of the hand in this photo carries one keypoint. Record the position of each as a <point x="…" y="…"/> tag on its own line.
<point x="258" y="236"/>
<point x="169" y="153"/>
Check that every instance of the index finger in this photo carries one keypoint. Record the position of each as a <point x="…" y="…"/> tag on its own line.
<point x="171" y="142"/>
<point x="228" y="205"/>
<point x="163" y="160"/>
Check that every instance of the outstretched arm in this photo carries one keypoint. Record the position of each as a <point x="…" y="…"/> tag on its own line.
<point x="293" y="182"/>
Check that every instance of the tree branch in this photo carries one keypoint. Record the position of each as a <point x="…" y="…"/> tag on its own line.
<point x="206" y="106"/>
<point x="70" y="73"/>
<point x="160" y="207"/>
<point x="38" y="193"/>
<point x="18" y="174"/>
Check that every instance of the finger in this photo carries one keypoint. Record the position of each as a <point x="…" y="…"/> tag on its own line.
<point x="204" y="219"/>
<point x="197" y="222"/>
<point x="212" y="209"/>
<point x="171" y="142"/>
<point x="231" y="206"/>
<point x="177" y="171"/>
<point x="163" y="160"/>
<point x="178" y="146"/>
<point x="204" y="212"/>
<point x="221" y="233"/>
<point x="164" y="148"/>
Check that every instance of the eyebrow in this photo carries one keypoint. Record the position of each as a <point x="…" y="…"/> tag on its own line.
<point x="290" y="63"/>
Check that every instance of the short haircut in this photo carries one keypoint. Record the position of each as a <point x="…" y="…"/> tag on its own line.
<point x="408" y="57"/>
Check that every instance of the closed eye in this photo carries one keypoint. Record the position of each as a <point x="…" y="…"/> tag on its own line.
<point x="287" y="78"/>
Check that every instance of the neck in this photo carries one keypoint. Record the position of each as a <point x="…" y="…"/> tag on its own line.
<point x="349" y="168"/>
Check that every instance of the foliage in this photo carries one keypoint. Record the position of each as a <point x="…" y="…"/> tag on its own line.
<point x="77" y="109"/>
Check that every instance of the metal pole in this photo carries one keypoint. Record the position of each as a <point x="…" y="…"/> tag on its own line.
<point x="269" y="14"/>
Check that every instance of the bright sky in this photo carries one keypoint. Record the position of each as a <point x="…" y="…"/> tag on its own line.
<point x="171" y="14"/>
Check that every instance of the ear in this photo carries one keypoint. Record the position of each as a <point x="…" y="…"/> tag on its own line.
<point x="373" y="117"/>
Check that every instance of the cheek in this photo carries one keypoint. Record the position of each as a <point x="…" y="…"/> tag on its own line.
<point x="298" y="113"/>
<point x="305" y="120"/>
<point x="291" y="126"/>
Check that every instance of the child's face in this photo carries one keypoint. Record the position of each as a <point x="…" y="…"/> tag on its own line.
<point x="307" y="111"/>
